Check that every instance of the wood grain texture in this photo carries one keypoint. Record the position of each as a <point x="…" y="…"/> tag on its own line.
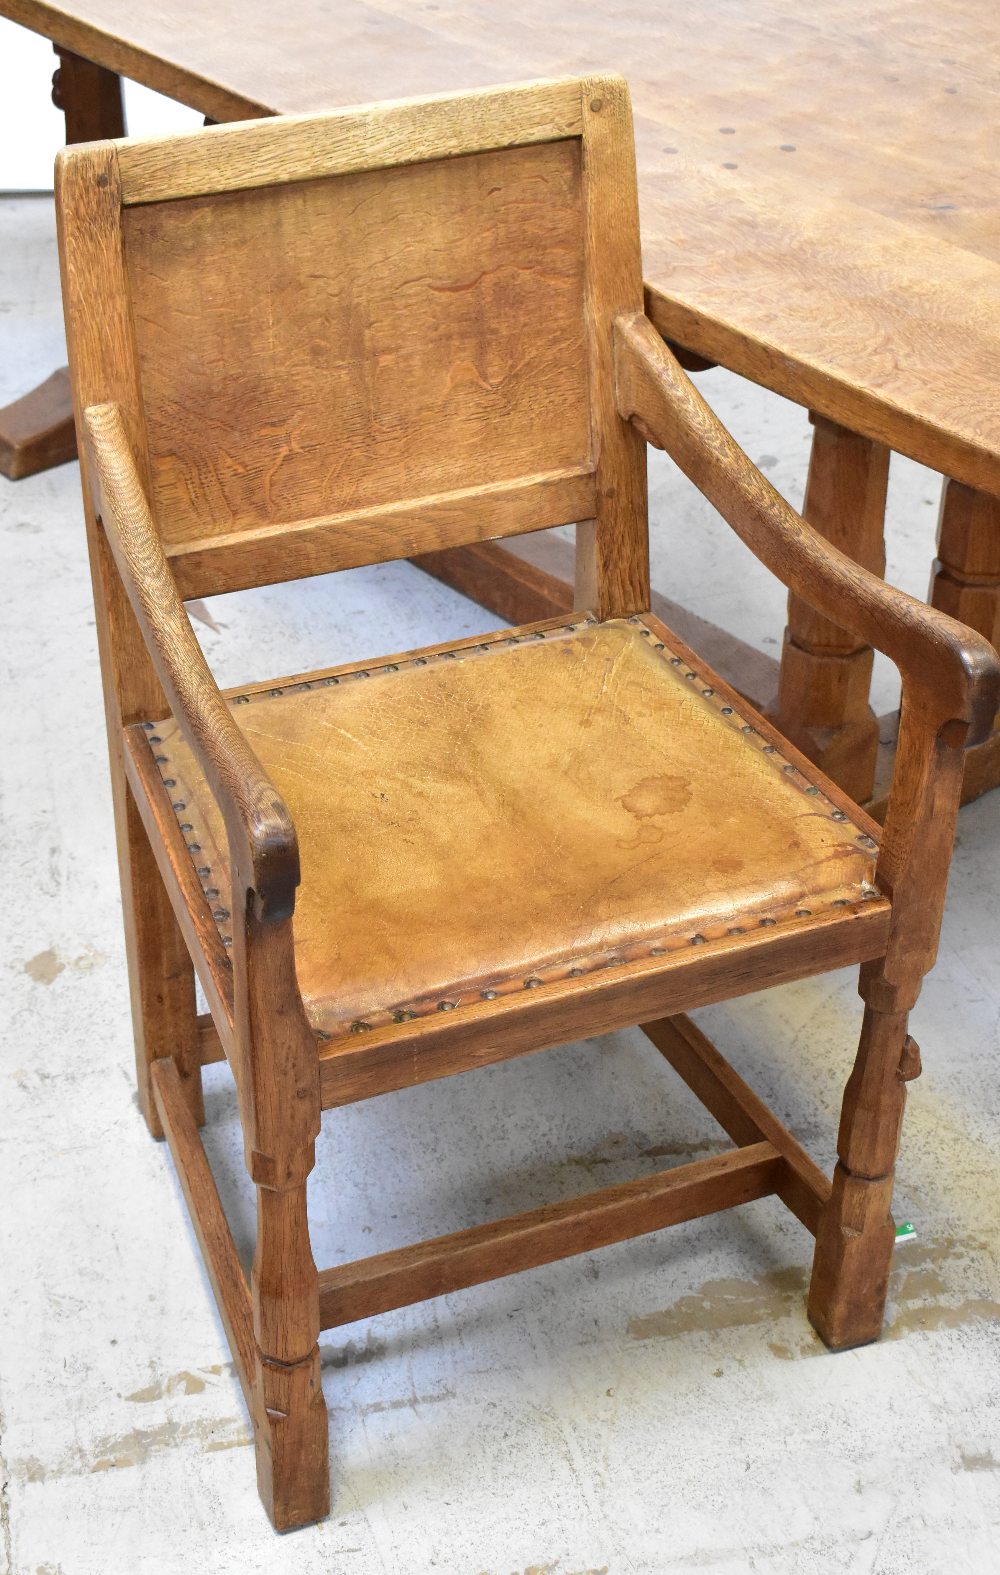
<point x="612" y="550"/>
<point x="825" y="670"/>
<point x="335" y="357"/>
<point x="415" y="527"/>
<point x="161" y="979"/>
<point x="869" y="271"/>
<point x="965" y="582"/>
<point x="523" y="1241"/>
<point x="354" y="141"/>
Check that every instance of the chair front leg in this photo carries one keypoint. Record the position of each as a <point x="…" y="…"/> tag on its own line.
<point x="290" y="1421"/>
<point x="278" y="1080"/>
<point x="856" y="1234"/>
<point x="854" y="1244"/>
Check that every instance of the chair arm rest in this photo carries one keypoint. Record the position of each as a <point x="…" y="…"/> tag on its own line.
<point x="951" y="671"/>
<point x="263" y="847"/>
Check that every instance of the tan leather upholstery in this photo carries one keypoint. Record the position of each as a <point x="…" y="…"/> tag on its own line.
<point x="483" y="817"/>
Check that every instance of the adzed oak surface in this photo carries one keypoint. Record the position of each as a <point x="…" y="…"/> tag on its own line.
<point x="818" y="188"/>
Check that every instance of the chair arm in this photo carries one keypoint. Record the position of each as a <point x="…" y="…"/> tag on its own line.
<point x="951" y="671"/>
<point x="263" y="847"/>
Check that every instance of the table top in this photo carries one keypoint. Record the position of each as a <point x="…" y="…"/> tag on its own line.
<point x="820" y="193"/>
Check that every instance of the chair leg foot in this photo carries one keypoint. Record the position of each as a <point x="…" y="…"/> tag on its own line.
<point x="850" y="1276"/>
<point x="290" y="1424"/>
<point x="854" y="1243"/>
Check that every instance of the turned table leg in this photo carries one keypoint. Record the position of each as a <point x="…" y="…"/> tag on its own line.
<point x="825" y="673"/>
<point x="36" y="431"/>
<point x="965" y="581"/>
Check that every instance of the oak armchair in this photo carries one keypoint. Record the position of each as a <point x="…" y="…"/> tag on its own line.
<point x="302" y="345"/>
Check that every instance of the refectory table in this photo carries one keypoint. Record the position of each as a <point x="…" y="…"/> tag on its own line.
<point x="820" y="212"/>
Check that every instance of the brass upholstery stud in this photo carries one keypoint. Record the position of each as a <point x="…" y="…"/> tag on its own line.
<point x="242" y="699"/>
<point x="403" y="1016"/>
<point x="169" y="782"/>
<point x="768" y="749"/>
<point x="160" y="760"/>
<point x="212" y="892"/>
<point x="765" y="922"/>
<point x="615" y="962"/>
<point x="185" y="825"/>
<point x="446" y="1006"/>
<point x="178" y="807"/>
<point x="204" y="870"/>
<point x="736" y="929"/>
<point x="220" y="914"/>
<point x="675" y="661"/>
<point x="227" y="940"/>
<point x="803" y="913"/>
<point x="790" y="770"/>
<point x="812" y="791"/>
<point x="576" y="973"/>
<point x="488" y="995"/>
<point x="657" y="951"/>
<point x="274" y="692"/>
<point x="708" y="692"/>
<point x="359" y="1026"/>
<point x="148" y="726"/>
<point x="194" y="847"/>
<point x="838" y="814"/>
<point x="866" y="841"/>
<point x="727" y="710"/>
<point x="697" y="940"/>
<point x="532" y="983"/>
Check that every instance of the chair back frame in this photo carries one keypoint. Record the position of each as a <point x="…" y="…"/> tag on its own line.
<point x="341" y="339"/>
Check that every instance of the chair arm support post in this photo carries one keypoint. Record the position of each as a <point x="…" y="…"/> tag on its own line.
<point x="263" y="846"/>
<point x="951" y="675"/>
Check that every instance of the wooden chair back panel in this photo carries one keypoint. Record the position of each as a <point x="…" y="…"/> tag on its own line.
<point x="371" y="333"/>
<point x="326" y="346"/>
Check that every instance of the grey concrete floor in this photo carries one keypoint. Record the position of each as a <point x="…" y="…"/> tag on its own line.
<point x="660" y="1406"/>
